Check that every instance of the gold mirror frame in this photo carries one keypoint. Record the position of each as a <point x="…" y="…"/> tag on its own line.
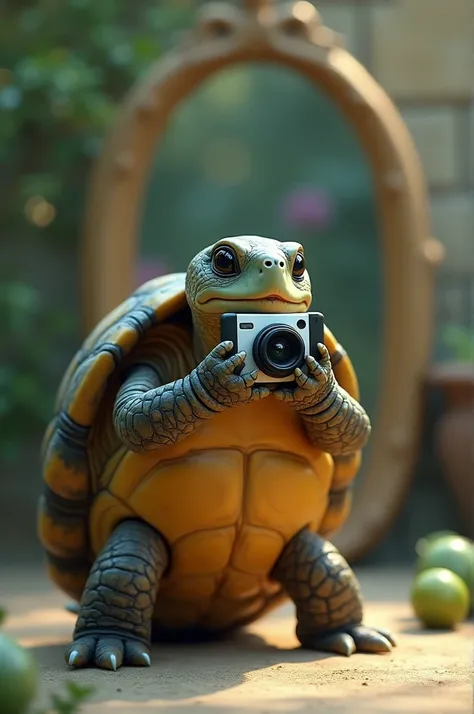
<point x="292" y="35"/>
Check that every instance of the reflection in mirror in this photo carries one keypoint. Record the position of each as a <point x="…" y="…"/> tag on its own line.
<point x="258" y="150"/>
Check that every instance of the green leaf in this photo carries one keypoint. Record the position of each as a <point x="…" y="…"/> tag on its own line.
<point x="46" y="185"/>
<point x="144" y="48"/>
<point x="460" y="340"/>
<point x="76" y="694"/>
<point x="79" y="692"/>
<point x="66" y="68"/>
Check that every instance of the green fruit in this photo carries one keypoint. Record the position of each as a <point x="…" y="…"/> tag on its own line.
<point x="454" y="553"/>
<point x="18" y="677"/>
<point x="440" y="598"/>
<point x="424" y="543"/>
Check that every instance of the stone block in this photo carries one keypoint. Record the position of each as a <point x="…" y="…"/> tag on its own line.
<point x="423" y="49"/>
<point x="452" y="222"/>
<point x="436" y="133"/>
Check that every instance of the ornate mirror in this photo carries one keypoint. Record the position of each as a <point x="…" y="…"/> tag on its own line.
<point x="366" y="234"/>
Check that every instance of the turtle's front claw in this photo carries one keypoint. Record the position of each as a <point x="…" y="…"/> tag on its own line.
<point x="350" y="639"/>
<point x="80" y="653"/>
<point x="107" y="653"/>
<point x="72" y="658"/>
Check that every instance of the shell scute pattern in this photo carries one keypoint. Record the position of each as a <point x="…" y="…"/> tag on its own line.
<point x="64" y="507"/>
<point x="224" y="548"/>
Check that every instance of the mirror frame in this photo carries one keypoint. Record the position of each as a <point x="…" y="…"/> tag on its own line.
<point x="263" y="32"/>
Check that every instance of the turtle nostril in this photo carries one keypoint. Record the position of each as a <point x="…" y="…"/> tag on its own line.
<point x="281" y="264"/>
<point x="268" y="263"/>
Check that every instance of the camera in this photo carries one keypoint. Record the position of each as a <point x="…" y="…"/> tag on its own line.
<point x="274" y="344"/>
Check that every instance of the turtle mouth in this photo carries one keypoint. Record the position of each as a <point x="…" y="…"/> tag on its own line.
<point x="263" y="298"/>
<point x="269" y="304"/>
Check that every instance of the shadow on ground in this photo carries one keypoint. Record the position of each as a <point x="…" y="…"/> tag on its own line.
<point x="260" y="670"/>
<point x="183" y="670"/>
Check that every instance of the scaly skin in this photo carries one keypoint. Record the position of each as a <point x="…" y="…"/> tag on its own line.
<point x="153" y="410"/>
<point x="114" y="623"/>
<point x="148" y="415"/>
<point x="334" y="421"/>
<point x="327" y="598"/>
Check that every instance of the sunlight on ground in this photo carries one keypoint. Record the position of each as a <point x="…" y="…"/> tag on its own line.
<point x="263" y="669"/>
<point x="39" y="618"/>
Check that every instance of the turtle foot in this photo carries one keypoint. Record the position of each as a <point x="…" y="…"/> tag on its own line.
<point x="107" y="652"/>
<point x="348" y="640"/>
<point x="116" y="611"/>
<point x="327" y="597"/>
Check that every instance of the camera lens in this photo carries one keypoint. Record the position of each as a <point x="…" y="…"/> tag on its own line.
<point x="278" y="350"/>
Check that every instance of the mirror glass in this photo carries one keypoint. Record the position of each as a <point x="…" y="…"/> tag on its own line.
<point x="259" y="150"/>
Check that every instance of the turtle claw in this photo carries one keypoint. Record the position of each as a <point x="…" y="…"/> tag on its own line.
<point x="351" y="639"/>
<point x="80" y="652"/>
<point x="72" y="658"/>
<point x="338" y="642"/>
<point x="107" y="653"/>
<point x="368" y="639"/>
<point x="136" y="655"/>
<point x="341" y="643"/>
<point x="388" y="636"/>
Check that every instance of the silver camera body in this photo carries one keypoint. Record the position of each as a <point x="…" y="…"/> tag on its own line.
<point x="275" y="344"/>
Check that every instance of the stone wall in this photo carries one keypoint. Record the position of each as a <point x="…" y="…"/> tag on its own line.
<point x="422" y="53"/>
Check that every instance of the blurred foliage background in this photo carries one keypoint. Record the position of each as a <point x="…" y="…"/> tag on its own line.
<point x="255" y="151"/>
<point x="65" y="68"/>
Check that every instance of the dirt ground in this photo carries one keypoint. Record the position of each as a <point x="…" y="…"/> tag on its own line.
<point x="262" y="670"/>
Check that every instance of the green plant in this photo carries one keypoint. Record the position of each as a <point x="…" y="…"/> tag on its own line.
<point x="63" y="68"/>
<point x="460" y="340"/>
<point x="26" y="371"/>
<point x="76" y="695"/>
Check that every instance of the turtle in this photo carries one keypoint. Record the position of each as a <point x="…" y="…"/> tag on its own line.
<point x="182" y="497"/>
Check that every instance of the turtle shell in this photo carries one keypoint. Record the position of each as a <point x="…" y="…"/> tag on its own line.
<point x="69" y="451"/>
<point x="91" y="481"/>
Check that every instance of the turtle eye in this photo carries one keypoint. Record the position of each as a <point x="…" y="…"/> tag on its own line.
<point x="299" y="266"/>
<point x="224" y="261"/>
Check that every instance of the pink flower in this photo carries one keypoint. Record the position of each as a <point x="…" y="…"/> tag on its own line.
<point x="149" y="268"/>
<point x="308" y="207"/>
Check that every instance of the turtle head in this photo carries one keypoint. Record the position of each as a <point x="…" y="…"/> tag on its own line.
<point x="245" y="274"/>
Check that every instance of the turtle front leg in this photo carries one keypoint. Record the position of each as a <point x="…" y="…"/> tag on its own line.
<point x="114" y="623"/>
<point x="327" y="598"/>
